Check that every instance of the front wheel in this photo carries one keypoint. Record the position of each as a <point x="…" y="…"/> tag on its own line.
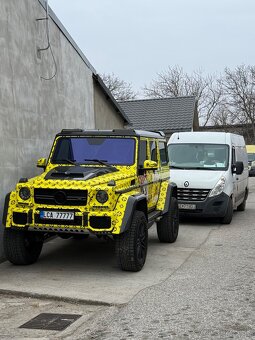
<point x="22" y="247"/>
<point x="229" y="213"/>
<point x="131" y="246"/>
<point x="242" y="206"/>
<point x="168" y="226"/>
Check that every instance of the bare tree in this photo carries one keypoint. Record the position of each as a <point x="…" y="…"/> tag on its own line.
<point x="174" y="82"/>
<point x="120" y="89"/>
<point x="239" y="88"/>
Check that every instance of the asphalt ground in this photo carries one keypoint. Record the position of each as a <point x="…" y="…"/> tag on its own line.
<point x="202" y="287"/>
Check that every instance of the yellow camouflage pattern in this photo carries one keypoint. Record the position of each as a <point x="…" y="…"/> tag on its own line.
<point x="153" y="184"/>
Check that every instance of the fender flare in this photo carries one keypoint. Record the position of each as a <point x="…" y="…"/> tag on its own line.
<point x="6" y="206"/>
<point x="171" y="192"/>
<point x="136" y="202"/>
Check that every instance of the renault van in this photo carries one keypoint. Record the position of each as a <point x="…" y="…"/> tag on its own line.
<point x="211" y="173"/>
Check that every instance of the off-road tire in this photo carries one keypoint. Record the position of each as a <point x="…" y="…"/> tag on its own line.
<point x="229" y="213"/>
<point x="22" y="247"/>
<point x="168" y="226"/>
<point x="131" y="246"/>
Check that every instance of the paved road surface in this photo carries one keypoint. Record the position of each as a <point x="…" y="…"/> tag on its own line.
<point x="202" y="287"/>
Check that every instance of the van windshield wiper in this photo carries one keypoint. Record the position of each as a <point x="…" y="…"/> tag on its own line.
<point x="176" y="167"/>
<point x="194" y="168"/>
<point x="100" y="161"/>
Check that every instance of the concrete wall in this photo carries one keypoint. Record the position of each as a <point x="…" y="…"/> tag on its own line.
<point x="106" y="116"/>
<point x="33" y="110"/>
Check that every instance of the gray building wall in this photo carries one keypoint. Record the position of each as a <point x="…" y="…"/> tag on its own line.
<point x="32" y="110"/>
<point x="106" y="116"/>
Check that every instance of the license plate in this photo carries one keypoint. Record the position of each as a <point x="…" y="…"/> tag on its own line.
<point x="57" y="215"/>
<point x="187" y="206"/>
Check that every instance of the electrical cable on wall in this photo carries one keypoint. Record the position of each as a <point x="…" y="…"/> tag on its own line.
<point x="48" y="47"/>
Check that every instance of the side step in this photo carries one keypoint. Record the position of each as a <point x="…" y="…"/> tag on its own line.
<point x="153" y="216"/>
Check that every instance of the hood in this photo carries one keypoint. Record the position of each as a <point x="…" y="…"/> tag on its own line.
<point x="79" y="173"/>
<point x="197" y="179"/>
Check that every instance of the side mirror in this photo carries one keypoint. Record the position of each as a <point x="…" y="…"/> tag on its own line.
<point x="41" y="163"/>
<point x="238" y="168"/>
<point x="150" y="165"/>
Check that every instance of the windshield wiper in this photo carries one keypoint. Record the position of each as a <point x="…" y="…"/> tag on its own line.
<point x="194" y="168"/>
<point x="101" y="161"/>
<point x="176" y="167"/>
<point x="68" y="161"/>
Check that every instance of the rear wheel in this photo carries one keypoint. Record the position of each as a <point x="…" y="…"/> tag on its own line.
<point x="131" y="246"/>
<point x="22" y="247"/>
<point x="168" y="226"/>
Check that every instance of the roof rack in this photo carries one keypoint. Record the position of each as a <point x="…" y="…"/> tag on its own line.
<point x="71" y="130"/>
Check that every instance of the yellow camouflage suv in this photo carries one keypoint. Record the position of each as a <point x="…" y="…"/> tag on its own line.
<point x="113" y="183"/>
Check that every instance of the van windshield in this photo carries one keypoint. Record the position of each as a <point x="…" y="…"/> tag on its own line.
<point x="199" y="156"/>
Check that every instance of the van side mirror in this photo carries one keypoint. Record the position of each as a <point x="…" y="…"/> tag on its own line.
<point x="238" y="168"/>
<point x="41" y="163"/>
<point x="150" y="165"/>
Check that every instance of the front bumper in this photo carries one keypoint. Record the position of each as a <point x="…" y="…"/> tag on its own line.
<point x="82" y="223"/>
<point x="210" y="207"/>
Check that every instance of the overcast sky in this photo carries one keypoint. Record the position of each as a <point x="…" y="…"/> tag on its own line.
<point x="136" y="39"/>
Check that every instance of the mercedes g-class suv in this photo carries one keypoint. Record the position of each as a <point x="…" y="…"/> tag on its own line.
<point x="112" y="183"/>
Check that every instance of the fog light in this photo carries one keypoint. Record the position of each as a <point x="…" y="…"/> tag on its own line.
<point x="24" y="193"/>
<point x="102" y="196"/>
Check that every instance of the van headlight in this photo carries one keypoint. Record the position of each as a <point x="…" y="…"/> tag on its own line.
<point x="24" y="193"/>
<point x="219" y="187"/>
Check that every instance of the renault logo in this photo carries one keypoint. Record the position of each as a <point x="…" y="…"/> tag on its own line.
<point x="186" y="184"/>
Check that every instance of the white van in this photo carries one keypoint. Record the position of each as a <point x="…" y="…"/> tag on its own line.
<point x="211" y="173"/>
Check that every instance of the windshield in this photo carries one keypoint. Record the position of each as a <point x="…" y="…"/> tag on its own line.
<point x="251" y="157"/>
<point x="199" y="156"/>
<point x="87" y="150"/>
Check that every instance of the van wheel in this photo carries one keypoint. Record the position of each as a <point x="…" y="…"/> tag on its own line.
<point x="131" y="246"/>
<point x="22" y="247"/>
<point x="229" y="213"/>
<point x="242" y="206"/>
<point x="168" y="226"/>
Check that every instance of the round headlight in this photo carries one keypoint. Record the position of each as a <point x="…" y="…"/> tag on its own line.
<point x="102" y="196"/>
<point x="24" y="193"/>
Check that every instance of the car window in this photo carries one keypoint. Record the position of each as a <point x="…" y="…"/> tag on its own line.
<point x="142" y="152"/>
<point x="153" y="151"/>
<point x="163" y="153"/>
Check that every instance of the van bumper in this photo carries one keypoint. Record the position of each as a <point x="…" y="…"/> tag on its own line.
<point x="210" y="207"/>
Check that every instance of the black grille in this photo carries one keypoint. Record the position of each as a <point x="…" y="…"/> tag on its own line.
<point x="77" y="221"/>
<point x="20" y="218"/>
<point x="60" y="197"/>
<point x="192" y="194"/>
<point x="100" y="222"/>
